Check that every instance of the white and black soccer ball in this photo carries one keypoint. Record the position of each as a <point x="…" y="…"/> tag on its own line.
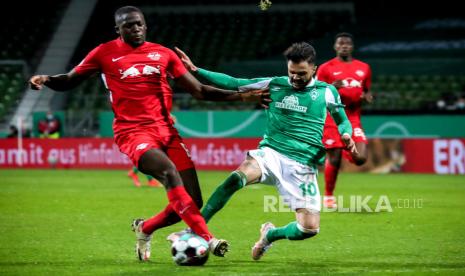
<point x="190" y="249"/>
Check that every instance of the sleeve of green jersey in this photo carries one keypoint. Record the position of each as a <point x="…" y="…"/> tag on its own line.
<point x="227" y="82"/>
<point x="336" y="109"/>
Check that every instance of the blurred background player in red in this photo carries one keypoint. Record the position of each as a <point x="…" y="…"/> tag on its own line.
<point x="135" y="73"/>
<point x="352" y="78"/>
<point x="152" y="182"/>
<point x="49" y="127"/>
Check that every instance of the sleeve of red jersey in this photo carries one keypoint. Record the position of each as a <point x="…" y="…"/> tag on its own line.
<point x="89" y="64"/>
<point x="367" y="83"/>
<point x="175" y="66"/>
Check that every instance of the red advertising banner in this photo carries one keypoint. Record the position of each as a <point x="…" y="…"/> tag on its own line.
<point x="219" y="153"/>
<point x="441" y="156"/>
<point x="62" y="153"/>
<point x="101" y="153"/>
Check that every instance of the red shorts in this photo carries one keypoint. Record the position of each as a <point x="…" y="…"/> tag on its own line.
<point x="332" y="138"/>
<point x="136" y="143"/>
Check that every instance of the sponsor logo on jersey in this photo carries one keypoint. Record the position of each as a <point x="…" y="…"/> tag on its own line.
<point x="337" y="73"/>
<point x="350" y="82"/>
<point x="130" y="72"/>
<point x="134" y="72"/>
<point x="360" y="73"/>
<point x="154" y="56"/>
<point x="150" y="70"/>
<point x="292" y="103"/>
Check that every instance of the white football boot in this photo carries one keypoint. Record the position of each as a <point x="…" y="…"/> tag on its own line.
<point x="143" y="240"/>
<point x="262" y="245"/>
<point x="218" y="247"/>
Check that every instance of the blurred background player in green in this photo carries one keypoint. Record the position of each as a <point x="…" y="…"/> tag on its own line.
<point x="352" y="79"/>
<point x="291" y="148"/>
<point x="152" y="182"/>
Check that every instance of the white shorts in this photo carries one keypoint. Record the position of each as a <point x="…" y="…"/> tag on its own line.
<point x="296" y="182"/>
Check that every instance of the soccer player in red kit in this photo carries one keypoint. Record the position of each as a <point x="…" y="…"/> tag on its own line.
<point x="352" y="78"/>
<point x="135" y="73"/>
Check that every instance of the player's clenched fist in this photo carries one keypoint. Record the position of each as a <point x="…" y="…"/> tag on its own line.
<point x="350" y="144"/>
<point x="36" y="82"/>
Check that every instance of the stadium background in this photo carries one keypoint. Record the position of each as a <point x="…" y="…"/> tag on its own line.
<point x="417" y="56"/>
<point x="415" y="125"/>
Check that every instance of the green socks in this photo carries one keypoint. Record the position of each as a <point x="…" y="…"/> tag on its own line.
<point x="223" y="193"/>
<point x="293" y="231"/>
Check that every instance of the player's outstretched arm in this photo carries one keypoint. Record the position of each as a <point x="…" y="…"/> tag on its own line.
<point x="61" y="82"/>
<point x="209" y="93"/>
<point x="222" y="80"/>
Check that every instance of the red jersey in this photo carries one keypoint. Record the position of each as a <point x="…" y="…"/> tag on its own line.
<point x="356" y="78"/>
<point x="136" y="79"/>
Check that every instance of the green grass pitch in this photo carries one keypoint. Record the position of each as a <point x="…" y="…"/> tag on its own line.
<point x="77" y="222"/>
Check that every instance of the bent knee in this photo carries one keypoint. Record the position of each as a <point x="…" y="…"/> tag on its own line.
<point x="309" y="232"/>
<point x="309" y="227"/>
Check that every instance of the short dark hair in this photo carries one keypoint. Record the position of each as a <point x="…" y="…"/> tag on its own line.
<point x="301" y="51"/>
<point x="125" y="10"/>
<point x="344" y="34"/>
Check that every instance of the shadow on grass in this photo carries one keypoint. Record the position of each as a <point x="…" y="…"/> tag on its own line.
<point x="229" y="267"/>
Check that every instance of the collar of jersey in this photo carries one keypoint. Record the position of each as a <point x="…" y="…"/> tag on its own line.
<point x="311" y="83"/>
<point x="124" y="44"/>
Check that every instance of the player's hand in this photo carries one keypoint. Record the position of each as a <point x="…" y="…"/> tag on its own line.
<point x="37" y="82"/>
<point x="338" y="84"/>
<point x="186" y="60"/>
<point x="350" y="144"/>
<point x="261" y="96"/>
<point x="368" y="97"/>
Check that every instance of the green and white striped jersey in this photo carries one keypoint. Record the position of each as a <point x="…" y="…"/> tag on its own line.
<point x="295" y="119"/>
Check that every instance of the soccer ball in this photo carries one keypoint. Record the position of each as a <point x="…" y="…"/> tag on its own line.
<point x="190" y="249"/>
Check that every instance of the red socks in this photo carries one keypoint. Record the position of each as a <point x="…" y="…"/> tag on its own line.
<point x="185" y="207"/>
<point x="181" y="206"/>
<point x="165" y="218"/>
<point x="330" y="178"/>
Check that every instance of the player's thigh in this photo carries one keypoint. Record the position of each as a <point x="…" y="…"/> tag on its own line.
<point x="156" y="163"/>
<point x="251" y="169"/>
<point x="177" y="151"/>
<point x="308" y="219"/>
<point x="334" y="156"/>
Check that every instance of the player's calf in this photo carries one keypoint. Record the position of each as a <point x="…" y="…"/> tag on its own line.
<point x="303" y="233"/>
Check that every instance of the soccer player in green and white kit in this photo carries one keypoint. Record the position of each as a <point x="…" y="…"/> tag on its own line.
<point x="291" y="147"/>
